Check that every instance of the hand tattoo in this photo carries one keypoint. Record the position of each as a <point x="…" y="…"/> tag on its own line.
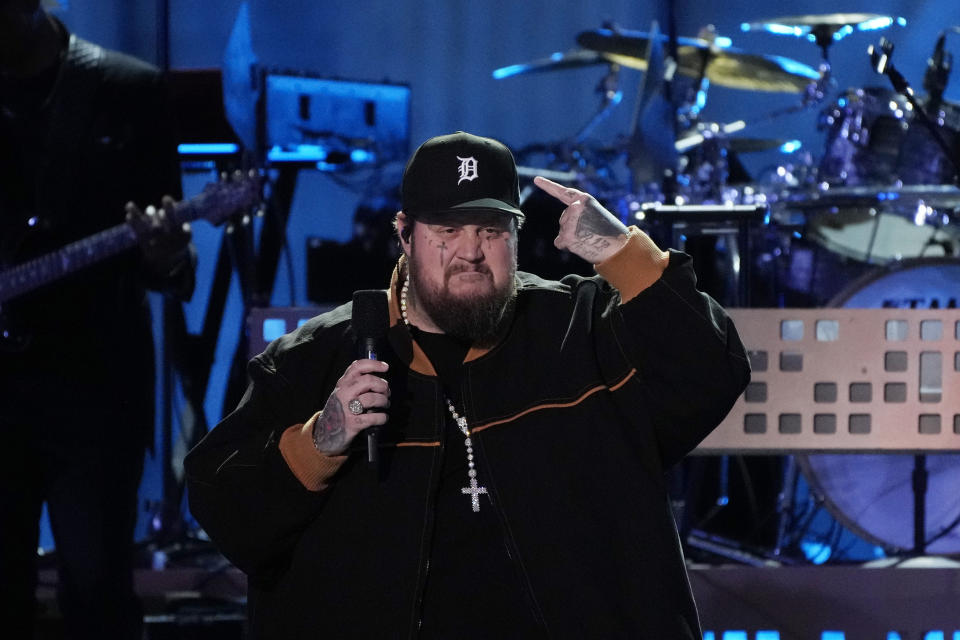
<point x="590" y="224"/>
<point x="594" y="235"/>
<point x="329" y="436"/>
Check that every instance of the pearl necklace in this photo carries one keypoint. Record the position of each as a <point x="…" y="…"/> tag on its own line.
<point x="474" y="490"/>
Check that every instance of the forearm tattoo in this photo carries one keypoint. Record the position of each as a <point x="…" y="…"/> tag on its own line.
<point x="594" y="235"/>
<point x="329" y="435"/>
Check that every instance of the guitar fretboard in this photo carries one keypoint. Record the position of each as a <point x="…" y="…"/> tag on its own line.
<point x="215" y="203"/>
<point x="35" y="273"/>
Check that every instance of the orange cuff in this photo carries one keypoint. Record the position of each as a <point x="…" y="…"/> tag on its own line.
<point x="313" y="469"/>
<point x="636" y="266"/>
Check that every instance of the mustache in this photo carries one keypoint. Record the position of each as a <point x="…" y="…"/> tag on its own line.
<point x="468" y="268"/>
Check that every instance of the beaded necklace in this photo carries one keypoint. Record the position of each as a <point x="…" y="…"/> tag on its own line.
<point x="474" y="490"/>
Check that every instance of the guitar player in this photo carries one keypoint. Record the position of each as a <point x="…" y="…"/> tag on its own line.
<point x="83" y="132"/>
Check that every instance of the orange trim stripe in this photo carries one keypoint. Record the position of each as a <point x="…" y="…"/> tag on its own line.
<point x="539" y="407"/>
<point x="558" y="405"/>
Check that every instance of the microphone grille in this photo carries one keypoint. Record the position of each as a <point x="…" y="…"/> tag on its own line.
<point x="371" y="316"/>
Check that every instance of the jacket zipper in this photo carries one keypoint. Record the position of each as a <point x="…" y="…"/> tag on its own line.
<point x="417" y="613"/>
<point x="513" y="552"/>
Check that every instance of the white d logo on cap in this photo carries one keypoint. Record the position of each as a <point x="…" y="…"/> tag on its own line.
<point x="468" y="169"/>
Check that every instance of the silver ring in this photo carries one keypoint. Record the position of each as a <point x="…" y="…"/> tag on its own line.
<point x="355" y="406"/>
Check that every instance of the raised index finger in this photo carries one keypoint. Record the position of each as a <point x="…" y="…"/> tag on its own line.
<point x="566" y="195"/>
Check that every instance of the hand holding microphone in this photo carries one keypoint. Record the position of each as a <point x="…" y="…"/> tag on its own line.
<point x="370" y="320"/>
<point x="360" y="391"/>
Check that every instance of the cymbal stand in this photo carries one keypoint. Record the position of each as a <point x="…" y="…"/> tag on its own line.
<point x="673" y="60"/>
<point x="938" y="71"/>
<point x="690" y="108"/>
<point x="813" y="95"/>
<point x="880" y="60"/>
<point x="823" y="37"/>
<point x="611" y="94"/>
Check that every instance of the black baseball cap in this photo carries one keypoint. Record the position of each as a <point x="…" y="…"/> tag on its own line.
<point x="460" y="173"/>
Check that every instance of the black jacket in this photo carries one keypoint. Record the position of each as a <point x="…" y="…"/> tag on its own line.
<point x="576" y="415"/>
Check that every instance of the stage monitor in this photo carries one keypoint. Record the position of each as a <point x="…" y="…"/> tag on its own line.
<point x="335" y="123"/>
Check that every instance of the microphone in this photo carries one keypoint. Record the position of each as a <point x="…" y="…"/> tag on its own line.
<point x="370" y="319"/>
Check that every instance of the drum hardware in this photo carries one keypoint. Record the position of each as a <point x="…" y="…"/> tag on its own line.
<point x="702" y="60"/>
<point x="938" y="71"/>
<point x="656" y="121"/>
<point x="880" y="195"/>
<point x="610" y="97"/>
<point x="824" y="29"/>
<point x="567" y="156"/>
<point x="866" y="211"/>
<point x="866" y="131"/>
<point x="880" y="60"/>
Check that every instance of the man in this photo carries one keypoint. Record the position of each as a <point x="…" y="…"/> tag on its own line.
<point x="83" y="132"/>
<point x="525" y="428"/>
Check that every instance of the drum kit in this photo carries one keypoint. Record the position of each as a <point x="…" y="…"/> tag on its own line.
<point x="883" y="189"/>
<point x="871" y="218"/>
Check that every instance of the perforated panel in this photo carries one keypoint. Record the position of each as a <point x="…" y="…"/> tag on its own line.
<point x="846" y="380"/>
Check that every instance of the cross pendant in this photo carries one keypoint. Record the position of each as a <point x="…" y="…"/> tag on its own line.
<point x="474" y="492"/>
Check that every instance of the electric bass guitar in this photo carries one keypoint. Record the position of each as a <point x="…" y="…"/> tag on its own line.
<point x="217" y="202"/>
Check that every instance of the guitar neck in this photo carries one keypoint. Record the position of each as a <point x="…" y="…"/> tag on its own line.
<point x="35" y="273"/>
<point x="215" y="203"/>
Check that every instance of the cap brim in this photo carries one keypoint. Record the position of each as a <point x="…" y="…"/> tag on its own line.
<point x="481" y="206"/>
<point x="491" y="204"/>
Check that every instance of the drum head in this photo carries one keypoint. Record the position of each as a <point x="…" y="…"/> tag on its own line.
<point x="872" y="495"/>
<point x="878" y="234"/>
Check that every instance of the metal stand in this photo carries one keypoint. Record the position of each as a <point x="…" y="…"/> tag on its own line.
<point x="882" y="64"/>
<point x="788" y="488"/>
<point x="190" y="357"/>
<point x="920" y="477"/>
<point x="672" y="224"/>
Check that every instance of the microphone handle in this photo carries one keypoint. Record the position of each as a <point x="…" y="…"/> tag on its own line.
<point x="368" y="349"/>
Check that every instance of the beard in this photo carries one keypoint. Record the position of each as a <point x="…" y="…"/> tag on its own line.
<point x="474" y="318"/>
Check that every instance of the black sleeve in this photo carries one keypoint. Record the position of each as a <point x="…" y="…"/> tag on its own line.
<point x="691" y="365"/>
<point x="240" y="488"/>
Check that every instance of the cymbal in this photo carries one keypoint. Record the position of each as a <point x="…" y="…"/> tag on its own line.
<point x="572" y="59"/>
<point x="824" y="27"/>
<point x="726" y="67"/>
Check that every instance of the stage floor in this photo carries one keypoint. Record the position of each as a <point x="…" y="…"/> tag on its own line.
<point x="911" y="599"/>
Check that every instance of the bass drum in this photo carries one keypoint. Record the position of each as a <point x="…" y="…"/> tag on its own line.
<point x="879" y="233"/>
<point x="872" y="494"/>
